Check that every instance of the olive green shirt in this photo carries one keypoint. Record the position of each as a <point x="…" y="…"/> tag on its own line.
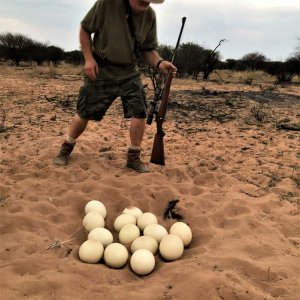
<point x="113" y="40"/>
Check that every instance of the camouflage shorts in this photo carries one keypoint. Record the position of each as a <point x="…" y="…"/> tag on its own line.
<point x="95" y="97"/>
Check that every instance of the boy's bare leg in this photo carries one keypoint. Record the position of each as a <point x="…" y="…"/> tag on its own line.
<point x="137" y="130"/>
<point x="77" y="127"/>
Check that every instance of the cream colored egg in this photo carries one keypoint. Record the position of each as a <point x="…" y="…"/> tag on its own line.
<point x="115" y="255"/>
<point x="128" y="233"/>
<point x="96" y="205"/>
<point x="146" y="219"/>
<point x="133" y="210"/>
<point x="171" y="247"/>
<point x="156" y="231"/>
<point x="183" y="231"/>
<point x="144" y="242"/>
<point x="142" y="262"/>
<point x="91" y="251"/>
<point x="93" y="220"/>
<point x="102" y="235"/>
<point x="122" y="220"/>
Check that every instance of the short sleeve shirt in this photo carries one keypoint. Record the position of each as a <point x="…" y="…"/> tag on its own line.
<point x="112" y="39"/>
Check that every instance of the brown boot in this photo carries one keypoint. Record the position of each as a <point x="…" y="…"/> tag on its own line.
<point x="64" y="153"/>
<point x="134" y="162"/>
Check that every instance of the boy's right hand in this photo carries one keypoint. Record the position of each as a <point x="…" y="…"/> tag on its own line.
<point x="91" y="68"/>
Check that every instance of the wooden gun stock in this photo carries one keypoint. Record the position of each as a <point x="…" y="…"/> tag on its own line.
<point x="158" y="153"/>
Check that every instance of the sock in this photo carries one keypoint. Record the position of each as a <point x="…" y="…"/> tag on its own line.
<point x="70" y="140"/>
<point x="134" y="147"/>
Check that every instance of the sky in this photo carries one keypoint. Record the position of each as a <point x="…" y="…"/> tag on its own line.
<point x="270" y="27"/>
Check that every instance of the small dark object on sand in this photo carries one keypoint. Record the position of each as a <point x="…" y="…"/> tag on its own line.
<point x="171" y="211"/>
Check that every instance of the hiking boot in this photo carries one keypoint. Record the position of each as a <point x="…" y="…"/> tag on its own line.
<point x="64" y="153"/>
<point x="134" y="162"/>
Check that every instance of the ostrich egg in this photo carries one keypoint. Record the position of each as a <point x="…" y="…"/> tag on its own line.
<point x="156" y="231"/>
<point x="128" y="233"/>
<point x="122" y="220"/>
<point x="96" y="205"/>
<point x="171" y="247"/>
<point x="91" y="251"/>
<point x="146" y="219"/>
<point x="142" y="262"/>
<point x="102" y="235"/>
<point x="133" y="210"/>
<point x="144" y="242"/>
<point x="92" y="220"/>
<point x="115" y="255"/>
<point x="183" y="231"/>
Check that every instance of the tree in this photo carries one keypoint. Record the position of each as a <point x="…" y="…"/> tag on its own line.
<point x="293" y="62"/>
<point x="190" y="59"/>
<point x="55" y="55"/>
<point x="15" y="47"/>
<point x="74" y="57"/>
<point x="38" y="53"/>
<point x="254" y="61"/>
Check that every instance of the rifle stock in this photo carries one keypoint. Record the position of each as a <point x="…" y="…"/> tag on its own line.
<point x="158" y="153"/>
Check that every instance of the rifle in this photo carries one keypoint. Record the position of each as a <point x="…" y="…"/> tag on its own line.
<point x="162" y="95"/>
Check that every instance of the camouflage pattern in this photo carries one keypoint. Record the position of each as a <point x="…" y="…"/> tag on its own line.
<point x="95" y="97"/>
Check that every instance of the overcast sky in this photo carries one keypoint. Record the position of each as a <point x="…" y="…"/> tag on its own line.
<point x="270" y="27"/>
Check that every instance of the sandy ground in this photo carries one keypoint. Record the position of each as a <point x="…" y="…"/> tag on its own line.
<point x="230" y="162"/>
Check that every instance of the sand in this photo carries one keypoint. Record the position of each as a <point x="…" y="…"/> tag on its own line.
<point x="234" y="170"/>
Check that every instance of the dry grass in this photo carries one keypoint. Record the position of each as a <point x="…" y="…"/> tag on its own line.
<point x="63" y="69"/>
<point x="248" y="77"/>
<point x="229" y="76"/>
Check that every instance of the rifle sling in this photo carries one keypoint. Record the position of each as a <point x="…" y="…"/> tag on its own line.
<point x="137" y="45"/>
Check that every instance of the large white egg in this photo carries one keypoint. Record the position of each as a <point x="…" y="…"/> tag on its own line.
<point x="144" y="242"/>
<point x="102" y="235"/>
<point x="132" y="210"/>
<point x="142" y="262"/>
<point x="146" y="219"/>
<point x="91" y="251"/>
<point x="183" y="231"/>
<point x="93" y="220"/>
<point x="96" y="205"/>
<point x="128" y="233"/>
<point x="122" y="220"/>
<point x="156" y="231"/>
<point x="115" y="255"/>
<point x="171" y="247"/>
